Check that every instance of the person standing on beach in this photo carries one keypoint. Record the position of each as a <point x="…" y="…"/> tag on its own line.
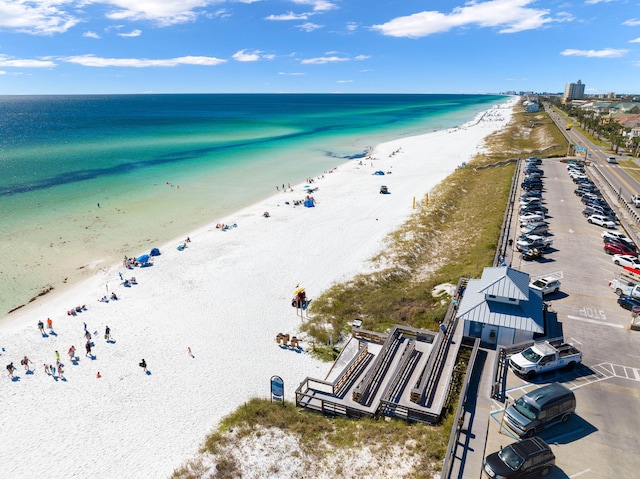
<point x="25" y="362"/>
<point x="57" y="356"/>
<point x="71" y="353"/>
<point x="60" y="370"/>
<point x="41" y="327"/>
<point x="143" y="365"/>
<point x="47" y="369"/>
<point x="50" y="324"/>
<point x="107" y="333"/>
<point x="87" y="335"/>
<point x="11" y="368"/>
<point x="88" y="347"/>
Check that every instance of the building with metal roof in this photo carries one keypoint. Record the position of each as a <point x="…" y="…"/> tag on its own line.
<point x="501" y="308"/>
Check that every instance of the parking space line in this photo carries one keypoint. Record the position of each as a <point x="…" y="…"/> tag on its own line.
<point x="594" y="321"/>
<point x="573" y="432"/>
<point x="579" y="473"/>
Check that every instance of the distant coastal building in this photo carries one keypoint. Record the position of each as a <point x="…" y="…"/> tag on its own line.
<point x="573" y="91"/>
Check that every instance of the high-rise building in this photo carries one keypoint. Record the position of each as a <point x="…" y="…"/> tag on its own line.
<point x="573" y="91"/>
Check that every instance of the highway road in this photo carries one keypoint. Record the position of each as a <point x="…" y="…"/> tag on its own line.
<point x="622" y="182"/>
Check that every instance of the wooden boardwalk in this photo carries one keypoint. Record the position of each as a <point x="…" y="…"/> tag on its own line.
<point x="403" y="374"/>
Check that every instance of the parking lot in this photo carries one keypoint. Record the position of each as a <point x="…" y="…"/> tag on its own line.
<point x="601" y="440"/>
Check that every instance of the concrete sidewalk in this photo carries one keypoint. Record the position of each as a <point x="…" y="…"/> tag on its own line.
<point x="469" y="452"/>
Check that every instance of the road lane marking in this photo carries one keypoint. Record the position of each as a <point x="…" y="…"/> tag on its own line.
<point x="593" y="321"/>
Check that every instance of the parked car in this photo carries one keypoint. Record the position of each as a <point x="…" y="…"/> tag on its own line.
<point x="529" y="458"/>
<point x="541" y="408"/>
<point x="532" y="207"/>
<point x="546" y="286"/>
<point x="589" y="197"/>
<point x="534" y="160"/>
<point x="531" y="195"/>
<point x="533" y="241"/>
<point x="635" y="199"/>
<point x="599" y="210"/>
<point x="626" y="260"/>
<point x="601" y="220"/>
<point x="619" y="248"/>
<point x="535" y="228"/>
<point x="617" y="234"/>
<point x="587" y="188"/>
<point x="628" y="302"/>
<point x="624" y="244"/>
<point x="530" y="218"/>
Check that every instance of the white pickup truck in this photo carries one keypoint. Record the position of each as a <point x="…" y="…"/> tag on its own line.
<point x="635" y="199"/>
<point x="545" y="356"/>
<point x="627" y="283"/>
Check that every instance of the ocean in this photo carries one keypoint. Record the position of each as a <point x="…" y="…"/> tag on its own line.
<point x="87" y="179"/>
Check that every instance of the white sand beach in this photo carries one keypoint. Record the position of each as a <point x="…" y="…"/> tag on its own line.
<point x="225" y="296"/>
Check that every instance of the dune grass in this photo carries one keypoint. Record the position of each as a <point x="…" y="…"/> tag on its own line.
<point x="454" y="235"/>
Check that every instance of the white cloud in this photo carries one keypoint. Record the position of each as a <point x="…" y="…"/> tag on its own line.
<point x="134" y="33"/>
<point x="362" y="57"/>
<point x="323" y="60"/>
<point x="635" y="40"/>
<point x="2" y="72"/>
<point x="163" y="12"/>
<point x="594" y="2"/>
<point x="318" y="5"/>
<point x="309" y="27"/>
<point x="94" y="61"/>
<point x="509" y="16"/>
<point x="6" y="61"/>
<point x="90" y="34"/>
<point x="352" y="26"/>
<point x="38" y="17"/>
<point x="345" y="81"/>
<point x="293" y="74"/>
<point x="604" y="53"/>
<point x="632" y="22"/>
<point x="288" y="16"/>
<point x="246" y="56"/>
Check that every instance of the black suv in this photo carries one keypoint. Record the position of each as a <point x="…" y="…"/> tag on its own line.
<point x="530" y="457"/>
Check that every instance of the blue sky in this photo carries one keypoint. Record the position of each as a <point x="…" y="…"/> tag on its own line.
<point x="350" y="46"/>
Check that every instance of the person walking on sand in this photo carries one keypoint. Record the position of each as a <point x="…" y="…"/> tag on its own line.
<point x="143" y="365"/>
<point x="71" y="353"/>
<point x="25" y="362"/>
<point x="41" y="327"/>
<point x="47" y="369"/>
<point x="87" y="335"/>
<point x="107" y="333"/>
<point x="88" y="348"/>
<point x="60" y="370"/>
<point x="49" y="324"/>
<point x="57" y="356"/>
<point x="11" y="368"/>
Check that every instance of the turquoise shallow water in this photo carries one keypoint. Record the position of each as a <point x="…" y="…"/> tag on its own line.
<point x="162" y="165"/>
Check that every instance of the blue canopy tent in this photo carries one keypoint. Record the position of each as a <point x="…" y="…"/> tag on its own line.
<point x="309" y="203"/>
<point x="155" y="252"/>
<point x="143" y="260"/>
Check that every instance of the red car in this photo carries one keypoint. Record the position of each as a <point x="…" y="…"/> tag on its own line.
<point x="618" y="248"/>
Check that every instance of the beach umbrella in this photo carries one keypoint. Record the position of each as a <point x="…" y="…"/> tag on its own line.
<point x="143" y="258"/>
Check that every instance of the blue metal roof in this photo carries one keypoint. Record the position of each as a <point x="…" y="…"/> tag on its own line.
<point x="525" y="314"/>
